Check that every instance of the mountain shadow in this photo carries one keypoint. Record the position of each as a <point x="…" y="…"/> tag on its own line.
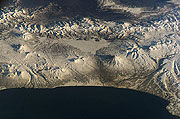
<point x="5" y="3"/>
<point x="81" y="103"/>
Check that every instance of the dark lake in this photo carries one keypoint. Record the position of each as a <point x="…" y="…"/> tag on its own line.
<point x="81" y="103"/>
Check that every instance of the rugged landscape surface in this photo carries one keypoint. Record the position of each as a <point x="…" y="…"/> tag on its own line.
<point x="131" y="44"/>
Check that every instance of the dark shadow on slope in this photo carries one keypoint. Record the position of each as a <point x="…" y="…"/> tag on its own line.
<point x="81" y="103"/>
<point x="4" y="3"/>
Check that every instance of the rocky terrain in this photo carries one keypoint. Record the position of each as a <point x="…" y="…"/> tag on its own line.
<point x="121" y="43"/>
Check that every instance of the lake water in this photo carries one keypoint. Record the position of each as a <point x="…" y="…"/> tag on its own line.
<point x="81" y="103"/>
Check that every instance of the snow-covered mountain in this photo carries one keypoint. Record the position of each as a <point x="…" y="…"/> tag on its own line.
<point x="48" y="43"/>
